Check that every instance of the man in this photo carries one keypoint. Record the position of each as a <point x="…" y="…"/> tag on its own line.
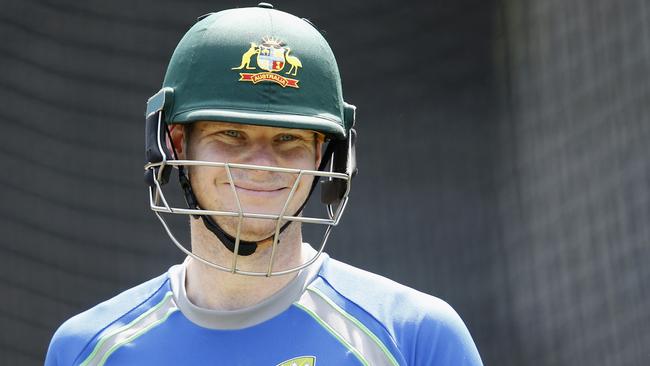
<point x="252" y="117"/>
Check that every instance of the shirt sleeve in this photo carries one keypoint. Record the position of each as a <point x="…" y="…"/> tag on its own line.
<point x="63" y="347"/>
<point x="442" y="339"/>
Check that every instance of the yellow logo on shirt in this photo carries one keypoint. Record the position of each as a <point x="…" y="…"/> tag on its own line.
<point x="300" y="361"/>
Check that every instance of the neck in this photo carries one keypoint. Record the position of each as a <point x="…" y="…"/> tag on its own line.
<point x="211" y="288"/>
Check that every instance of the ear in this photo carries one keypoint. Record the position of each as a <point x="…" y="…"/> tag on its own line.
<point x="320" y="140"/>
<point x="177" y="133"/>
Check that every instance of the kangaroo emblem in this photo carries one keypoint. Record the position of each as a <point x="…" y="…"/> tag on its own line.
<point x="246" y="57"/>
<point x="271" y="57"/>
<point x="293" y="61"/>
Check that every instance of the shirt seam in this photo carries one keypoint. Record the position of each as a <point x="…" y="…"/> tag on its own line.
<point x="96" y="335"/>
<point x="333" y="332"/>
<point x="380" y="324"/>
<point x="358" y="323"/>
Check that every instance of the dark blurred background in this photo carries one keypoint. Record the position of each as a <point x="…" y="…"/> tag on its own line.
<point x="503" y="152"/>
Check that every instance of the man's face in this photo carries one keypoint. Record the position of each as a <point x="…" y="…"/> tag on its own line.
<point x="258" y="191"/>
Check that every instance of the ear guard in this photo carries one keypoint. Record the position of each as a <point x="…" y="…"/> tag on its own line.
<point x="344" y="160"/>
<point x="156" y="150"/>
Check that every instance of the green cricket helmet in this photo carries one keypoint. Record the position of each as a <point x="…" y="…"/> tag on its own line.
<point x="256" y="66"/>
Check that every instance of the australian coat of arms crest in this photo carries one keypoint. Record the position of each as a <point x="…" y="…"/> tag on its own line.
<point x="272" y="57"/>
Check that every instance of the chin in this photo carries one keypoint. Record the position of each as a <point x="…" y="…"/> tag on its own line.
<point x="262" y="205"/>
<point x="251" y="229"/>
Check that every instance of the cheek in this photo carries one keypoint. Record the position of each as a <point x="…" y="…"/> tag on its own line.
<point x="206" y="152"/>
<point x="299" y="158"/>
<point x="203" y="178"/>
<point x="198" y="177"/>
<point x="216" y="149"/>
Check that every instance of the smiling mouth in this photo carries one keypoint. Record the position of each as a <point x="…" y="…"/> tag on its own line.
<point x="259" y="191"/>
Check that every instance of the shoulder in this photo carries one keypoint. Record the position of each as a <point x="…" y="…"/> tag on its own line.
<point x="424" y="329"/>
<point x="76" y="335"/>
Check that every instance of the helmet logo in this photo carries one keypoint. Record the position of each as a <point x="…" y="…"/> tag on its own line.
<point x="272" y="57"/>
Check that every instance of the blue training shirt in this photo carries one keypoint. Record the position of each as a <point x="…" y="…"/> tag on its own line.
<point x="330" y="314"/>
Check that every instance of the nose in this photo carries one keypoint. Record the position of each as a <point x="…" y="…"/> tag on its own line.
<point x="261" y="154"/>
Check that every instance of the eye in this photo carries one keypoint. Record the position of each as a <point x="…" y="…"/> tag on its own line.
<point x="232" y="133"/>
<point x="285" y="137"/>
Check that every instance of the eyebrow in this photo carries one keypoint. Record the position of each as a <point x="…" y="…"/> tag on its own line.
<point x="224" y="124"/>
<point x="243" y="126"/>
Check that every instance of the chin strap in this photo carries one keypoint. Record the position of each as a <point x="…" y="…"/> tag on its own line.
<point x="246" y="248"/>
